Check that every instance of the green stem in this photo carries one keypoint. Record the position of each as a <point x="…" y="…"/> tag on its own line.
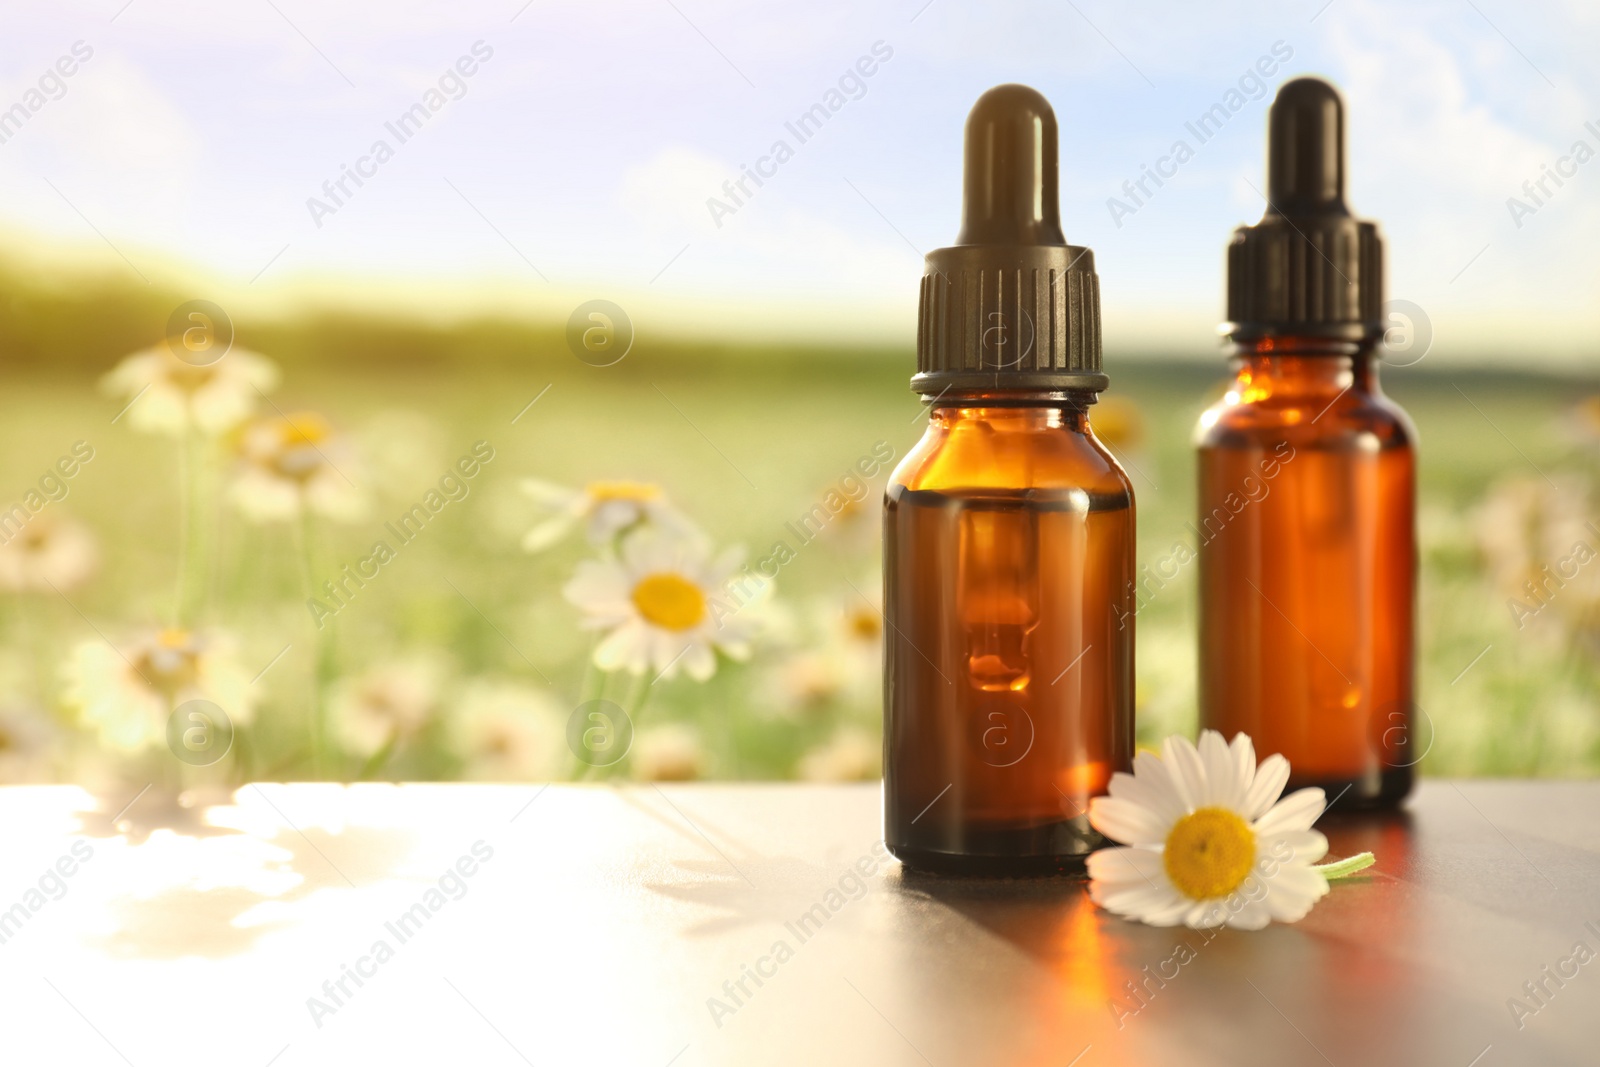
<point x="185" y="526"/>
<point x="322" y="668"/>
<point x="1346" y="867"/>
<point x="30" y="629"/>
<point x="594" y="679"/>
<point x="638" y="695"/>
<point x="168" y="769"/>
<point x="198" y="544"/>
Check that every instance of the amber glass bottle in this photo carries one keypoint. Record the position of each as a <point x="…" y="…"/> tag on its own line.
<point x="1307" y="487"/>
<point x="1008" y="536"/>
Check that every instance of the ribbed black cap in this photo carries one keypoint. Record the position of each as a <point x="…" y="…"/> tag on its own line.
<point x="1010" y="305"/>
<point x="1308" y="268"/>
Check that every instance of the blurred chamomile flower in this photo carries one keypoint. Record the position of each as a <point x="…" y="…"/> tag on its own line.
<point x="843" y="660"/>
<point x="1583" y="421"/>
<point x="290" y="464"/>
<point x="27" y="742"/>
<point x="388" y="704"/>
<point x="126" y="694"/>
<point x="669" y="753"/>
<point x="1540" y="547"/>
<point x="171" y="396"/>
<point x="510" y="732"/>
<point x="604" y="510"/>
<point x="48" y="552"/>
<point x="850" y="755"/>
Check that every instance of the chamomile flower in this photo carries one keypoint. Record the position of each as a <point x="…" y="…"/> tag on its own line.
<point x="127" y="693"/>
<point x="605" y="509"/>
<point x="167" y="395"/>
<point x="805" y="682"/>
<point x="1538" y="545"/>
<point x="850" y="755"/>
<point x="390" y="702"/>
<point x="511" y="732"/>
<point x="662" y="606"/>
<point x="670" y="753"/>
<point x="844" y="661"/>
<point x="47" y="552"/>
<point x="1207" y="841"/>
<point x="1584" y="421"/>
<point x="293" y="463"/>
<point x="27" y="739"/>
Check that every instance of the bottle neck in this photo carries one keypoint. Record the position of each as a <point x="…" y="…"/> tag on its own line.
<point x="1285" y="367"/>
<point x="1013" y="411"/>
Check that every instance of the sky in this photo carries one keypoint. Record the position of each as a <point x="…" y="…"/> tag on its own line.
<point x="581" y="156"/>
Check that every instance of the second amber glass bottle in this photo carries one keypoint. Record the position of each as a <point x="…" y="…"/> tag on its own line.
<point x="1008" y="536"/>
<point x="1307" y="487"/>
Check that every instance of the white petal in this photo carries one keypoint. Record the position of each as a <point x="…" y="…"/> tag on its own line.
<point x="1226" y="787"/>
<point x="599" y="587"/>
<point x="546" y="533"/>
<point x="1206" y="914"/>
<point x="1293" y="891"/>
<point x="646" y="551"/>
<point x="625" y="647"/>
<point x="263" y="498"/>
<point x="667" y="650"/>
<point x="672" y="520"/>
<point x="1151" y="771"/>
<point x="1158" y="905"/>
<point x="700" y="662"/>
<point x="727" y="561"/>
<point x="162" y="409"/>
<point x="1188" y="773"/>
<point x="1132" y="883"/>
<point x="1268" y="784"/>
<point x="1305" y="846"/>
<point x="1125" y="864"/>
<point x="329" y="494"/>
<point x="1155" y="795"/>
<point x="219" y="407"/>
<point x="1253" y="915"/>
<point x="548" y="494"/>
<point x="1297" y="811"/>
<point x="1127" y="822"/>
<point x="1244" y="758"/>
<point x="610" y="518"/>
<point x="735" y="650"/>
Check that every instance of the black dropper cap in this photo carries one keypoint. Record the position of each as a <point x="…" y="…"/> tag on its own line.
<point x="1308" y="268"/>
<point x="1010" y="305"/>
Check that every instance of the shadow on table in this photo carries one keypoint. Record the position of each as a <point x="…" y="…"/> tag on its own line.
<point x="140" y="813"/>
<point x="184" y="918"/>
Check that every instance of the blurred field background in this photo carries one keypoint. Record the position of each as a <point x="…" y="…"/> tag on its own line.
<point x="412" y="300"/>
<point x="462" y="658"/>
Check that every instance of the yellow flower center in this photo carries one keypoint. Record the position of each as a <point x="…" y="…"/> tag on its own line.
<point x="864" y="624"/>
<point x="669" y="601"/>
<point x="305" y="428"/>
<point x="1209" y="853"/>
<point x="188" y="377"/>
<point x="298" y="455"/>
<point x="36" y="536"/>
<point x="170" y="663"/>
<point x="638" y="492"/>
<point x="1589" y="411"/>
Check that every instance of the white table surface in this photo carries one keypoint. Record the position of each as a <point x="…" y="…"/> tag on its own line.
<point x="606" y="918"/>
